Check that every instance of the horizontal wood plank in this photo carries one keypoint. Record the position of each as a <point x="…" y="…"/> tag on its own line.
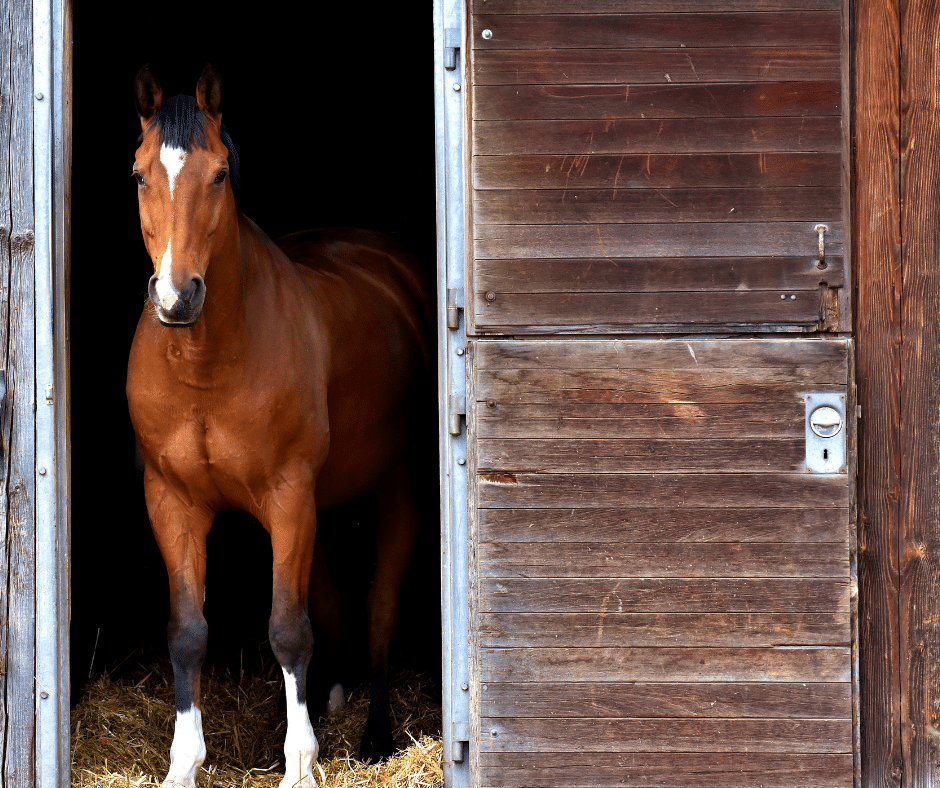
<point x="616" y="665"/>
<point x="663" y="595"/>
<point x="639" y="6"/>
<point x="602" y="206"/>
<point x="657" y="66"/>
<point x="509" y="311"/>
<point x="657" y="135"/>
<point x="641" y="420"/>
<point x="588" y="769"/>
<point x="699" y="490"/>
<point x="702" y="274"/>
<point x="800" y="360"/>
<point x="735" y="171"/>
<point x="640" y="30"/>
<point x="636" y="520"/>
<point x="620" y="630"/>
<point x="683" y="559"/>
<point x="721" y="100"/>
<point x="673" y="700"/>
<point x="641" y="735"/>
<point x="652" y="241"/>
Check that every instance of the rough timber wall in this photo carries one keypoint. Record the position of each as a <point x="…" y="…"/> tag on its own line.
<point x="645" y="165"/>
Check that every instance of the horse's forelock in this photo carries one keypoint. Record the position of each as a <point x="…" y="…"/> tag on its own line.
<point x="181" y="123"/>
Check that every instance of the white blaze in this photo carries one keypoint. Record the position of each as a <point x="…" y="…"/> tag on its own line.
<point x="188" y="750"/>
<point x="173" y="160"/>
<point x="300" y="744"/>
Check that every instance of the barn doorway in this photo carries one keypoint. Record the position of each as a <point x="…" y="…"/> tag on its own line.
<point x="333" y="119"/>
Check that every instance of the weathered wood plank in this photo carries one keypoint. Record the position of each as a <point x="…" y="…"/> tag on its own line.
<point x="703" y="274"/>
<point x="636" y="385"/>
<point x="636" y="520"/>
<point x="877" y="253"/>
<point x="676" y="700"/>
<point x="634" y="630"/>
<point x="639" y="735"/>
<point x="659" y="171"/>
<point x="683" y="559"/>
<point x="617" y="665"/>
<point x="659" y="135"/>
<point x="507" y="311"/>
<point x="641" y="420"/>
<point x="585" y="769"/>
<point x="641" y="6"/>
<point x="722" y="100"/>
<point x="664" y="595"/>
<point x="622" y="31"/>
<point x="655" y="66"/>
<point x="600" y="206"/>
<point x="706" y="239"/>
<point x="804" y="361"/>
<point x="919" y="524"/>
<point x="700" y="490"/>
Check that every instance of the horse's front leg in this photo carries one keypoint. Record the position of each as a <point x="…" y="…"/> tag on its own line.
<point x="292" y="525"/>
<point x="181" y="529"/>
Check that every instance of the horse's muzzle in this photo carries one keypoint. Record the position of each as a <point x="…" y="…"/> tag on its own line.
<point x="181" y="309"/>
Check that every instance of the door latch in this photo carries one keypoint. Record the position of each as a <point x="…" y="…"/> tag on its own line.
<point x="825" y="432"/>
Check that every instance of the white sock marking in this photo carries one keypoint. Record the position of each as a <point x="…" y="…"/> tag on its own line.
<point x="188" y="750"/>
<point x="300" y="743"/>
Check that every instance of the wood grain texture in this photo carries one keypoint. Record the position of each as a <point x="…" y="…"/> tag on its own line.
<point x="673" y="700"/>
<point x="639" y="6"/>
<point x="919" y="524"/>
<point x="637" y="30"/>
<point x="728" y="100"/>
<point x="657" y="171"/>
<point x="600" y="206"/>
<point x="706" y="239"/>
<point x="588" y="769"/>
<point x="639" y="520"/>
<point x="626" y="275"/>
<point x="660" y="630"/>
<point x="18" y="411"/>
<point x="603" y="560"/>
<point x="657" y="136"/>
<point x="877" y="253"/>
<point x="656" y="66"/>
<point x="809" y="665"/>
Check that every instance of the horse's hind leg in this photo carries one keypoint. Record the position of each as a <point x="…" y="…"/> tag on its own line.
<point x="398" y="528"/>
<point x="181" y="534"/>
<point x="324" y="607"/>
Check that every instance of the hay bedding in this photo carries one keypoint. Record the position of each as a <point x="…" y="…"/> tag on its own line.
<point x="121" y="733"/>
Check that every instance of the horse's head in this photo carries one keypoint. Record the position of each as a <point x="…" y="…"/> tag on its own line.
<point x="184" y="172"/>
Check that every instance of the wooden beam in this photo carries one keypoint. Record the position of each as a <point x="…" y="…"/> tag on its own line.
<point x="919" y="523"/>
<point x="877" y="259"/>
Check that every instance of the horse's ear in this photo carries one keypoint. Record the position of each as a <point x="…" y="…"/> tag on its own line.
<point x="209" y="92"/>
<point x="148" y="94"/>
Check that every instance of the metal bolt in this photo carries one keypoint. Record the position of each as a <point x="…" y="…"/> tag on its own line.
<point x="461" y="461"/>
<point x="485" y="687"/>
<point x="42" y="471"/>
<point x="464" y="686"/>
<point x="44" y="695"/>
<point x="456" y="87"/>
<point x="494" y="733"/>
<point x="491" y="296"/>
<point x="487" y="34"/>
<point x="39" y="97"/>
<point x="460" y="351"/>
<point x="491" y="403"/>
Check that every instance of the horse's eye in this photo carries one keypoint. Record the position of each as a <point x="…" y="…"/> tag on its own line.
<point x="139" y="178"/>
<point x="221" y="176"/>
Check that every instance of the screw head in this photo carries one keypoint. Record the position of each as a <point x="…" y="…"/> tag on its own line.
<point x="42" y="471"/>
<point x="457" y="87"/>
<point x="491" y="296"/>
<point x="487" y="34"/>
<point x="464" y="686"/>
<point x="491" y="403"/>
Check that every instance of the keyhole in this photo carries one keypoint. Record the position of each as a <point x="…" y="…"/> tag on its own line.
<point x="825" y="454"/>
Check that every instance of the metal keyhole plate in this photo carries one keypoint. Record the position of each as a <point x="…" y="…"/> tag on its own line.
<point x="825" y="436"/>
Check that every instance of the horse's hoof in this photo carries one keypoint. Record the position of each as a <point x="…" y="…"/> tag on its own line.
<point x="306" y="781"/>
<point x="377" y="743"/>
<point x="178" y="782"/>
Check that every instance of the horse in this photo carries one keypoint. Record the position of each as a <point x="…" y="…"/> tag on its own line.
<point x="276" y="378"/>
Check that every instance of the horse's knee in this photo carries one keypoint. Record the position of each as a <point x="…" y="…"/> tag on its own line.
<point x="187" y="639"/>
<point x="291" y="639"/>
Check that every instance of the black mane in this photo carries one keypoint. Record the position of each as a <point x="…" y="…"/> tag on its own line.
<point x="181" y="123"/>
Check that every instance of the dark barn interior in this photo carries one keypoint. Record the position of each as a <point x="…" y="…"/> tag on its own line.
<point x="332" y="117"/>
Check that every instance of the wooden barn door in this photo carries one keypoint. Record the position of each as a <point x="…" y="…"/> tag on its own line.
<point x="661" y="526"/>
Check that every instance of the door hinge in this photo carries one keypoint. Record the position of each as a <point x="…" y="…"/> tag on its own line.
<point x="460" y="735"/>
<point x="451" y="47"/>
<point x="454" y="307"/>
<point x="456" y="411"/>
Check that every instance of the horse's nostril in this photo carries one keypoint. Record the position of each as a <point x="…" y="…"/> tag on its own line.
<point x="192" y="290"/>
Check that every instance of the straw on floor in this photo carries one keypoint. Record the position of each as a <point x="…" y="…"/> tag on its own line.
<point x="121" y="733"/>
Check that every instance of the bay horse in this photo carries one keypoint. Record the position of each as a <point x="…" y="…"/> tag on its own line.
<point x="273" y="378"/>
